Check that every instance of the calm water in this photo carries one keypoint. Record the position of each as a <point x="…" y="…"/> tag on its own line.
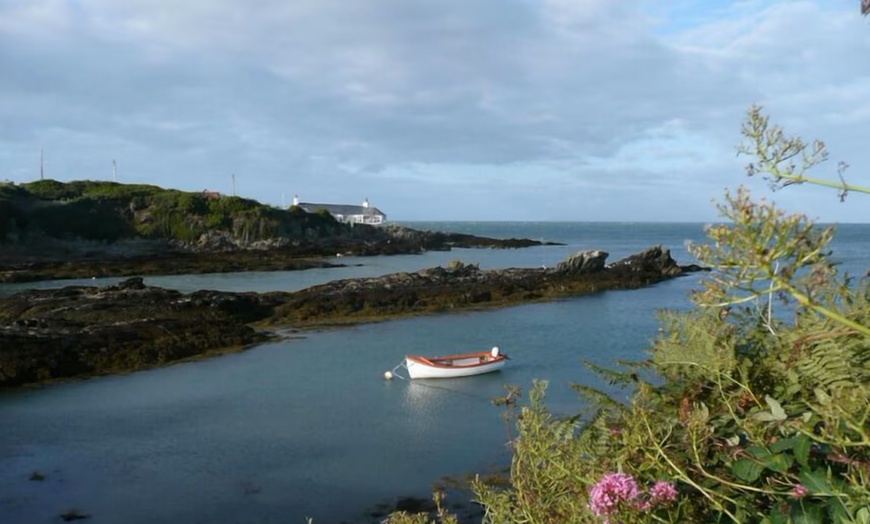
<point x="308" y="427"/>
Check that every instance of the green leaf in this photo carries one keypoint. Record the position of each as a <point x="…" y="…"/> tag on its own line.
<point x="747" y="470"/>
<point x="802" y="447"/>
<point x="777" y="517"/>
<point x="815" y="481"/>
<point x="776" y="413"/>
<point x="780" y="462"/>
<point x="775" y="408"/>
<point x="783" y="444"/>
<point x="808" y="513"/>
<point x="774" y="461"/>
<point x="733" y="440"/>
<point x="822" y="397"/>
<point x="740" y="513"/>
<point x="837" y="513"/>
<point x="701" y="412"/>
<point x="760" y="452"/>
<point x="862" y="516"/>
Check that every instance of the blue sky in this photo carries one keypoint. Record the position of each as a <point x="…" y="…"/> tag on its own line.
<point x="436" y="109"/>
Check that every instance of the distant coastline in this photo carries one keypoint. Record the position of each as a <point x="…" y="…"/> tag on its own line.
<point x="84" y="229"/>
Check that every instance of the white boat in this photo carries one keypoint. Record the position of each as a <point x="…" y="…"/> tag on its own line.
<point x="453" y="366"/>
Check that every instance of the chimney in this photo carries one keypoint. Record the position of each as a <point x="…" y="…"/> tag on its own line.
<point x="295" y="200"/>
<point x="366" y="203"/>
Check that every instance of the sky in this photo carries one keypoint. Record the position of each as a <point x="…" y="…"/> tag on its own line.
<point x="568" y="110"/>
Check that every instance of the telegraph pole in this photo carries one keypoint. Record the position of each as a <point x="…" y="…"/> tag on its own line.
<point x="234" y="184"/>
<point x="114" y="170"/>
<point x="41" y="165"/>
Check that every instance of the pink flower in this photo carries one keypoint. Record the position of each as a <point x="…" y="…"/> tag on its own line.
<point x="798" y="491"/>
<point x="610" y="490"/>
<point x="662" y="491"/>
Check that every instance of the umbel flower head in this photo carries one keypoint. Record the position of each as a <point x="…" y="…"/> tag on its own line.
<point x="798" y="491"/>
<point x="616" y="491"/>
<point x="612" y="489"/>
<point x="662" y="492"/>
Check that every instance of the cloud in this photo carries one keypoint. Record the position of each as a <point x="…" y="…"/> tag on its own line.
<point x="393" y="99"/>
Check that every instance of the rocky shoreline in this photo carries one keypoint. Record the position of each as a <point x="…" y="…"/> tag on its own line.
<point x="81" y="331"/>
<point x="68" y="260"/>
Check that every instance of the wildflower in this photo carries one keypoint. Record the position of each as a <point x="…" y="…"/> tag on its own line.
<point x="662" y="491"/>
<point x="610" y="490"/>
<point x="798" y="491"/>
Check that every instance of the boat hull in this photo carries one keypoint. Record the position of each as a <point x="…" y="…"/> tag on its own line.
<point x="455" y="366"/>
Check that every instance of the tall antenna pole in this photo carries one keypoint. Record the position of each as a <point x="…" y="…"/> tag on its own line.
<point x="114" y="170"/>
<point x="41" y="165"/>
<point x="234" y="184"/>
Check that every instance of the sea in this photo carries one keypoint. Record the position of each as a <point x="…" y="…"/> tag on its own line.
<point x="307" y="427"/>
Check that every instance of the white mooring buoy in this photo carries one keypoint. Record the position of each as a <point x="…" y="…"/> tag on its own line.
<point x="388" y="375"/>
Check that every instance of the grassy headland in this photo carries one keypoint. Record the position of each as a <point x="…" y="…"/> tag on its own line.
<point x="51" y="230"/>
<point x="109" y="211"/>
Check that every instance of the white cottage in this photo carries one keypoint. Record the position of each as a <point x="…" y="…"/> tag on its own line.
<point x="364" y="214"/>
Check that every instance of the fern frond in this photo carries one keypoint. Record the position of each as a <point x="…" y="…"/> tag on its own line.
<point x="595" y="437"/>
<point x="826" y="364"/>
<point x="695" y="345"/>
<point x="595" y="397"/>
<point x="614" y="377"/>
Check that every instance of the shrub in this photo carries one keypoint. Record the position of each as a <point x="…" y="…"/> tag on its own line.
<point x="758" y="409"/>
<point x="81" y="218"/>
<point x="12" y="220"/>
<point x="52" y="190"/>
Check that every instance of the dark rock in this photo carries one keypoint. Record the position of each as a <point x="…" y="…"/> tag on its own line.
<point x="74" y="514"/>
<point x="654" y="259"/>
<point x="414" y="505"/>
<point x="132" y="283"/>
<point x="465" y="286"/>
<point x="443" y="241"/>
<point x="218" y="252"/>
<point x="167" y="263"/>
<point x="691" y="268"/>
<point x="117" y="328"/>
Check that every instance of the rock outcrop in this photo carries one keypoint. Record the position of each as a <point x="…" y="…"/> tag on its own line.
<point x="80" y="331"/>
<point x="655" y="259"/>
<point x="587" y="261"/>
<point x="266" y="255"/>
<point x="438" y="240"/>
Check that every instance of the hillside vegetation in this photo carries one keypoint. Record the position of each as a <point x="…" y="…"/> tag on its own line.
<point x="109" y="211"/>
